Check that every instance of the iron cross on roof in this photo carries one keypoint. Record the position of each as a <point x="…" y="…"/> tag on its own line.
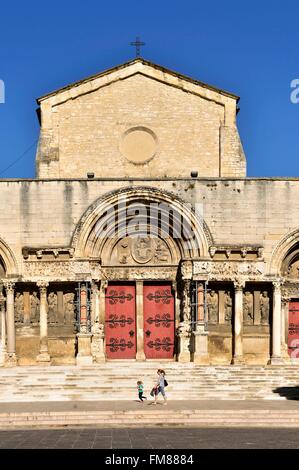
<point x="137" y="44"/>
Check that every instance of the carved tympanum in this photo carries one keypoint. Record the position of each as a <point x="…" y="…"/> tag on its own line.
<point x="141" y="250"/>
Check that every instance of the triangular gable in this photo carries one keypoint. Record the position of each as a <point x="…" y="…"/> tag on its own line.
<point x="130" y="68"/>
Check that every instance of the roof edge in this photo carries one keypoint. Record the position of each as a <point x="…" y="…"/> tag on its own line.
<point x="131" y="62"/>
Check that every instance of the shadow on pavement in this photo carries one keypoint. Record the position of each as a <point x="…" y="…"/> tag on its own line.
<point x="290" y="393"/>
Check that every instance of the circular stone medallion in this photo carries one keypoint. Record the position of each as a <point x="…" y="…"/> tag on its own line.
<point x="139" y="145"/>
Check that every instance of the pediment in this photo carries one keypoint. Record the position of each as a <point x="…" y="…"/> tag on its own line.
<point x="129" y="69"/>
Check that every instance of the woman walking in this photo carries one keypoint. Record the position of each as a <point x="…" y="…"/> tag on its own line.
<point x="161" y="386"/>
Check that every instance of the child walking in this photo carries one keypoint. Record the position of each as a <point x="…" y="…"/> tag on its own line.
<point x="140" y="390"/>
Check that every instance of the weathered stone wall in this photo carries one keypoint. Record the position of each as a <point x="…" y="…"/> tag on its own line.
<point x="179" y="126"/>
<point x="45" y="213"/>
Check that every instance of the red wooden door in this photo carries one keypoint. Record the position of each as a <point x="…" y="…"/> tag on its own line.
<point x="120" y="323"/>
<point x="294" y="330"/>
<point x="158" y="314"/>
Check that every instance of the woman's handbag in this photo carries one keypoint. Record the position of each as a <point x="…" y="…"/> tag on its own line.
<point x="165" y="383"/>
<point x="154" y="392"/>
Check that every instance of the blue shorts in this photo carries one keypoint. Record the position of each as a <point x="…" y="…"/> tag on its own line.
<point x="162" y="391"/>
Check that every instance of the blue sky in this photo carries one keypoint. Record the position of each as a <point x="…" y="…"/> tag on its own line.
<point x="250" y="49"/>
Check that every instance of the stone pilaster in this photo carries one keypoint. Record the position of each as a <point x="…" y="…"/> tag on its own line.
<point x="3" y="349"/>
<point x="276" y="357"/>
<point x="201" y="336"/>
<point x="10" y="323"/>
<point x="43" y="356"/>
<point x="238" y="357"/>
<point x="97" y="329"/>
<point x="184" y="330"/>
<point x="84" y="356"/>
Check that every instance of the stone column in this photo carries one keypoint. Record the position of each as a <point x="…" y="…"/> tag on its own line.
<point x="238" y="323"/>
<point x="276" y="324"/>
<point x="222" y="307"/>
<point x="97" y="329"/>
<point x="3" y="349"/>
<point x="10" y="323"/>
<point x="201" y="336"/>
<point x="184" y="330"/>
<point x="43" y="356"/>
<point x="140" y="355"/>
<point x="84" y="356"/>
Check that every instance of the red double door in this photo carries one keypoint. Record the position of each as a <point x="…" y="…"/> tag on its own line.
<point x="158" y="318"/>
<point x="294" y="330"/>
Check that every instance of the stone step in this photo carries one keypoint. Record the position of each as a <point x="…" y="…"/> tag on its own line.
<point x="153" y="418"/>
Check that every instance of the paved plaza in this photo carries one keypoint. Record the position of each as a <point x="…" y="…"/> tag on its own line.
<point x="151" y="439"/>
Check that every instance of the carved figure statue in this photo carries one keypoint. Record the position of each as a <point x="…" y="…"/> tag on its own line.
<point x="265" y="308"/>
<point x="34" y="308"/>
<point x="69" y="308"/>
<point x="248" y="308"/>
<point x="212" y="304"/>
<point x="52" y="307"/>
<point x="228" y="305"/>
<point x="19" y="308"/>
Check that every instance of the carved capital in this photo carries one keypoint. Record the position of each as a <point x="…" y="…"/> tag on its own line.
<point x="187" y="270"/>
<point x="184" y="330"/>
<point x="42" y="285"/>
<point x="239" y="284"/>
<point x="285" y="299"/>
<point x="9" y="286"/>
<point x="104" y="285"/>
<point x="277" y="285"/>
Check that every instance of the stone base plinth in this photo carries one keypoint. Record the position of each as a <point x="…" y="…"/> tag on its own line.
<point x="140" y="357"/>
<point x="84" y="360"/>
<point x="44" y="358"/>
<point x="84" y="356"/>
<point x="3" y="358"/>
<point x="201" y="354"/>
<point x="184" y="354"/>
<point x="276" y="361"/>
<point x="238" y="361"/>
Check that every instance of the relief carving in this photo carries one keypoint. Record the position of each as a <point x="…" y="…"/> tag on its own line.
<point x="140" y="250"/>
<point x="219" y="271"/>
<point x="212" y="306"/>
<point x="228" y="306"/>
<point x="248" y="308"/>
<point x="293" y="271"/>
<point x="19" y="308"/>
<point x="61" y="270"/>
<point x="136" y="274"/>
<point x="52" y="308"/>
<point x="265" y="308"/>
<point x="34" y="308"/>
<point x="69" y="308"/>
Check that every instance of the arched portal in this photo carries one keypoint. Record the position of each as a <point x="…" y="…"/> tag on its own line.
<point x="142" y="212"/>
<point x="8" y="263"/>
<point x="140" y="236"/>
<point x="285" y="265"/>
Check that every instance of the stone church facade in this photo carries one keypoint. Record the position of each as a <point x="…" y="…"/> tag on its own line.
<point x="141" y="237"/>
